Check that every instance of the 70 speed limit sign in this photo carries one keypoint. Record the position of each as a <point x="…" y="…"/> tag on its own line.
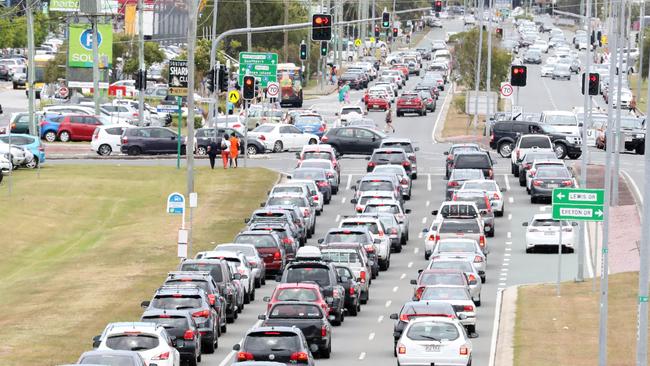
<point x="506" y="90"/>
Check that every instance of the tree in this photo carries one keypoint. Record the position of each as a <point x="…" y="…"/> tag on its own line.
<point x="55" y="69"/>
<point x="126" y="47"/>
<point x="646" y="54"/>
<point x="465" y="58"/>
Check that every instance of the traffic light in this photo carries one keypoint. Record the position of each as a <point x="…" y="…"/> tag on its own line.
<point x="249" y="87"/>
<point x="499" y="32"/>
<point x="437" y="6"/>
<point x="518" y="75"/>
<point x="395" y="32"/>
<point x="594" y="83"/>
<point x="303" y="52"/>
<point x="141" y="80"/>
<point x="377" y="31"/>
<point x="210" y="80"/>
<point x="323" y="48"/>
<point x="223" y="78"/>
<point x="385" y="19"/>
<point x="321" y="27"/>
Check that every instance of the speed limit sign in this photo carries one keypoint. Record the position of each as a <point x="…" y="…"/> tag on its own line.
<point x="506" y="90"/>
<point x="273" y="90"/>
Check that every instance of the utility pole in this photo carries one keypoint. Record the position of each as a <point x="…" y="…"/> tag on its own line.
<point x="33" y="130"/>
<point x="141" y="62"/>
<point x="285" y="34"/>
<point x="639" y="80"/>
<point x="189" y="146"/>
<point x="586" y="123"/>
<point x="478" y="65"/>
<point x="617" y="148"/>
<point x="212" y="107"/>
<point x="489" y="63"/>
<point x="604" y="275"/>
<point x="339" y="32"/>
<point x="96" y="91"/>
<point x="249" y="35"/>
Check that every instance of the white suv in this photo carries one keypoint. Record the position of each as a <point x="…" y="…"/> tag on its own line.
<point x="107" y="139"/>
<point x="150" y="339"/>
<point x="377" y="232"/>
<point x="526" y="143"/>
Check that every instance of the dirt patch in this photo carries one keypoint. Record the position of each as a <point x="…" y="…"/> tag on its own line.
<point x="458" y="125"/>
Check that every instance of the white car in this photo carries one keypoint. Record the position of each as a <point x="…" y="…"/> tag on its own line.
<point x="279" y="137"/>
<point x="360" y="203"/>
<point x="389" y="87"/>
<point x="462" y="248"/>
<point x="18" y="154"/>
<point x="544" y="231"/>
<point x="258" y="268"/>
<point x="541" y="44"/>
<point x="526" y="143"/>
<point x="150" y="340"/>
<point x="107" y="139"/>
<point x="489" y="186"/>
<point x="434" y="341"/>
<point x="238" y="260"/>
<point x="377" y="232"/>
<point x="298" y="188"/>
<point x="316" y="194"/>
<point x="546" y="70"/>
<point x="5" y="165"/>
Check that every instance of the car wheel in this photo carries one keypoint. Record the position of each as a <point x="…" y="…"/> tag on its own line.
<point x="313" y="142"/>
<point x="325" y="353"/>
<point x="353" y="310"/>
<point x="252" y="295"/>
<point x="134" y="150"/>
<point x="50" y="136"/>
<point x="193" y="361"/>
<point x="247" y="298"/>
<point x="258" y="282"/>
<point x="560" y="151"/>
<point x="640" y="150"/>
<point x="64" y="136"/>
<point x="533" y="199"/>
<point x="202" y="150"/>
<point x="478" y="302"/>
<point x="483" y="279"/>
<point x="530" y="250"/>
<point x="252" y="150"/>
<point x="499" y="213"/>
<point x="505" y="150"/>
<point x="208" y="347"/>
<point x="398" y="249"/>
<point x="576" y="156"/>
<point x="522" y="179"/>
<point x="278" y="147"/>
<point x="104" y="150"/>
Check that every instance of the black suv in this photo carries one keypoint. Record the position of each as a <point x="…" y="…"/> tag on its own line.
<point x="326" y="276"/>
<point x="150" y="140"/>
<point x="180" y="325"/>
<point x="389" y="155"/>
<point x="196" y="301"/>
<point x="222" y="276"/>
<point x="475" y="160"/>
<point x="204" y="135"/>
<point x="505" y="133"/>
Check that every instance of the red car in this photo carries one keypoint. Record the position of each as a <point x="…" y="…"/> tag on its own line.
<point x="78" y="128"/>
<point x="297" y="292"/>
<point x="404" y="68"/>
<point x="376" y="101"/>
<point x="411" y="102"/>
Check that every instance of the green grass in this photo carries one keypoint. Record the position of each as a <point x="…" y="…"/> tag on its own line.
<point x="641" y="103"/>
<point x="83" y="245"/>
<point x="551" y="330"/>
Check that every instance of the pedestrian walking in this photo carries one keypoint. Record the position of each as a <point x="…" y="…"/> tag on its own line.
<point x="341" y="94"/>
<point x="633" y="105"/>
<point x="225" y="150"/>
<point x="346" y="93"/>
<point x="214" y="149"/>
<point x="234" y="150"/>
<point x="389" y="120"/>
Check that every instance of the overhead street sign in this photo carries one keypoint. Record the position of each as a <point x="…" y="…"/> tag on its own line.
<point x="262" y="65"/>
<point x="578" y="204"/>
<point x="178" y="76"/>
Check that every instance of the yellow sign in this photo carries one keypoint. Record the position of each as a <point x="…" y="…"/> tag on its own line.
<point x="233" y="96"/>
<point x="603" y="39"/>
<point x="357" y="42"/>
<point x="372" y="40"/>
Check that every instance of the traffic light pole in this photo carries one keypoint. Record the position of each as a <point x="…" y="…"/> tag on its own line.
<point x="212" y="108"/>
<point x="617" y="150"/>
<point x="143" y="85"/>
<point x="216" y="100"/>
<point x="189" y="145"/>
<point x="478" y="66"/>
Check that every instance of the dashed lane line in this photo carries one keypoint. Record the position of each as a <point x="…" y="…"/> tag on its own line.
<point x="362" y="356"/>
<point x="380" y="319"/>
<point x="505" y="176"/>
<point x="338" y="217"/>
<point x="402" y="276"/>
<point x="509" y="216"/>
<point x="395" y="288"/>
<point x="428" y="182"/>
<point x="371" y="336"/>
<point x="511" y="200"/>
<point x="388" y="303"/>
<point x="410" y="265"/>
<point x="349" y="183"/>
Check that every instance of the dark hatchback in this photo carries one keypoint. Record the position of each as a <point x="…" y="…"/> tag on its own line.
<point x="355" y="80"/>
<point x="280" y="344"/>
<point x="150" y="140"/>
<point x="475" y="160"/>
<point x="306" y="316"/>
<point x="389" y="156"/>
<point x="548" y="178"/>
<point x="457" y="149"/>
<point x="181" y="326"/>
<point x="353" y="140"/>
<point x="205" y="135"/>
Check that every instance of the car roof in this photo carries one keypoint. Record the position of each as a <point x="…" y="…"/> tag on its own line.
<point x="438" y="319"/>
<point x="456" y="240"/>
<point x="305" y="285"/>
<point x="274" y="328"/>
<point x="388" y="149"/>
<point x="158" y="312"/>
<point x="121" y="327"/>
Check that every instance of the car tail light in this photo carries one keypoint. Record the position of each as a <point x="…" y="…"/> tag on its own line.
<point x="322" y="128"/>
<point x="418" y="293"/>
<point x="567" y="183"/>
<point x="380" y="234"/>
<point x="464" y="350"/>
<point x="452" y="183"/>
<point x="537" y="183"/>
<point x="471" y="277"/>
<point x="315" y="198"/>
<point x="299" y="356"/>
<point x="162" y="356"/>
<point x="189" y="335"/>
<point x="212" y="299"/>
<point x="95" y="133"/>
<point x="370" y="248"/>
<point x="351" y="291"/>
<point x="287" y="241"/>
<point x="478" y="259"/>
<point x="492" y="137"/>
<point x="413" y="158"/>
<point x="362" y="276"/>
<point x="322" y="184"/>
<point x="237" y="125"/>
<point x="527" y="166"/>
<point x="490" y="173"/>
<point x="245" y="356"/>
<point x="496" y="196"/>
<point x="432" y="237"/>
<point x="125" y="140"/>
<point x="403" y="181"/>
<point x="306" y="213"/>
<point x="324" y="139"/>
<point x="401" y="350"/>
<point x="468" y="308"/>
<point x="201" y="314"/>
<point x="336" y="293"/>
<point x="329" y="175"/>
<point x="406" y="163"/>
<point x="481" y="241"/>
<point x="277" y="255"/>
<point x="371" y="164"/>
<point x="404" y="318"/>
<point x="262" y="137"/>
<point x="393" y="231"/>
<point x="252" y="263"/>
<point x="323" y="331"/>
<point x="518" y="153"/>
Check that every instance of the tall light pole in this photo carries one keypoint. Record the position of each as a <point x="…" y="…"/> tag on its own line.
<point x="141" y="62"/>
<point x="189" y="146"/>
<point x="30" y="67"/>
<point x="249" y="40"/>
<point x="96" y="91"/>
<point x="621" y="35"/>
<point x="478" y="65"/>
<point x="639" y="79"/>
<point x="212" y="108"/>
<point x="488" y="83"/>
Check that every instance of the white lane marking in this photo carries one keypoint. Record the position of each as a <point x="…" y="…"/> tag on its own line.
<point x="388" y="303"/>
<point x="508" y="243"/>
<point x="410" y="265"/>
<point x="403" y="276"/>
<point x="349" y="183"/>
<point x="428" y="203"/>
<point x="231" y="354"/>
<point x="505" y="264"/>
<point x="342" y="199"/>
<point x="380" y="319"/>
<point x="416" y="250"/>
<point x="509" y="235"/>
<point x="509" y="216"/>
<point x="428" y="182"/>
<point x="504" y="270"/>
<point x="502" y="283"/>
<point x="506" y="260"/>
<point x="507" y="181"/>
<point x="424" y="220"/>
<point x="371" y="336"/>
<point x="508" y="249"/>
<point x="503" y="278"/>
<point x="338" y="217"/>
<point x="420" y="234"/>
<point x="543" y="208"/>
<point x="506" y="254"/>
<point x="395" y="288"/>
<point x="435" y="125"/>
<point x="511" y="200"/>
<point x="362" y="356"/>
<point x="550" y="95"/>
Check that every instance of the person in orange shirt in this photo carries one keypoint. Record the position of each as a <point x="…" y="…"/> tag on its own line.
<point x="234" y="150"/>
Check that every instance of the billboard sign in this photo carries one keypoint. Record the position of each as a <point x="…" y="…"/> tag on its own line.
<point x="80" y="52"/>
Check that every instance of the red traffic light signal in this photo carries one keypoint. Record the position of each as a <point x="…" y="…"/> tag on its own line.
<point x="518" y="75"/>
<point x="593" y="87"/>
<point x="437" y="6"/>
<point x="321" y="27"/>
<point x="395" y="32"/>
<point x="249" y="87"/>
<point x="377" y="30"/>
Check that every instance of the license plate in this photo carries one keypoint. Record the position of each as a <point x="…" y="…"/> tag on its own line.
<point x="553" y="186"/>
<point x="549" y="233"/>
<point x="628" y="139"/>
<point x="432" y="348"/>
<point x="375" y="105"/>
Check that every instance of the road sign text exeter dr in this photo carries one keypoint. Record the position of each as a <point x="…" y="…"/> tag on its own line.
<point x="578" y="204"/>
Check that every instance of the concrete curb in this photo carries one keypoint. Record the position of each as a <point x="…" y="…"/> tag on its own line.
<point x="502" y="354"/>
<point x="438" y="127"/>
<point x="636" y="194"/>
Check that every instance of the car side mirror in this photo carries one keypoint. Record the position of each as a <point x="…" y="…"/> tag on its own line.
<point x="434" y="212"/>
<point x="368" y="157"/>
<point x="354" y="187"/>
<point x="278" y="278"/>
<point x="236" y="347"/>
<point x="266" y="299"/>
<point x="503" y="189"/>
<point x="97" y="341"/>
<point x="321" y="241"/>
<point x="420" y="271"/>
<point x="394" y="316"/>
<point x="377" y="241"/>
<point x="261" y="317"/>
<point x="145" y="304"/>
<point x="473" y="335"/>
<point x="172" y="138"/>
<point x="408" y="211"/>
<point x="354" y="200"/>
<point x="524" y="224"/>
<point x="336" y="114"/>
<point x="414" y="282"/>
<point x="237" y="276"/>
<point x="262" y="204"/>
<point x="247" y="220"/>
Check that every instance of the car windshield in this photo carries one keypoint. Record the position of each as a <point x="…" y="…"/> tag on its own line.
<point x="466" y="174"/>
<point x="390" y="169"/>
<point x="407" y="147"/>
<point x="274" y="341"/>
<point x="548" y="223"/>
<point x="247" y="250"/>
<point x="304" y="120"/>
<point x="176" y="302"/>
<point x="542" y="142"/>
<point x="561" y="120"/>
<point x="351" y="110"/>
<point x="297" y="294"/>
<point x="392" y="209"/>
<point x="464" y="226"/>
<point x="632" y="123"/>
<point x="371" y="226"/>
<point x="391" y="157"/>
<point x="540" y="156"/>
<point x="317" y="155"/>
<point x="463" y="266"/>
<point x="300" y="311"/>
<point x="430" y="279"/>
<point x="311" y="174"/>
<point x="259" y="241"/>
<point x="433" y="331"/>
<point x="452" y="210"/>
<point x="455" y="246"/>
<point x="316" y="164"/>
<point x="346" y="238"/>
<point x="376" y="185"/>
<point x="444" y="293"/>
<point x="281" y="189"/>
<point x="290" y="201"/>
<point x="472" y="161"/>
<point x="132" y="342"/>
<point x="340" y="256"/>
<point x="485" y="185"/>
<point x="320" y="275"/>
<point x="213" y="268"/>
<point x="552" y="172"/>
<point x="168" y="322"/>
<point x="461" y="149"/>
<point x="107" y="360"/>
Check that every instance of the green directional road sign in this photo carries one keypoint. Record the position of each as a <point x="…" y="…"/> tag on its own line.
<point x="578" y="204"/>
<point x="262" y="65"/>
<point x="577" y="195"/>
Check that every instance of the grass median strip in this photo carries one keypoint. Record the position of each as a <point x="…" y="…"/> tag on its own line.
<point x="83" y="245"/>
<point x="551" y="330"/>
